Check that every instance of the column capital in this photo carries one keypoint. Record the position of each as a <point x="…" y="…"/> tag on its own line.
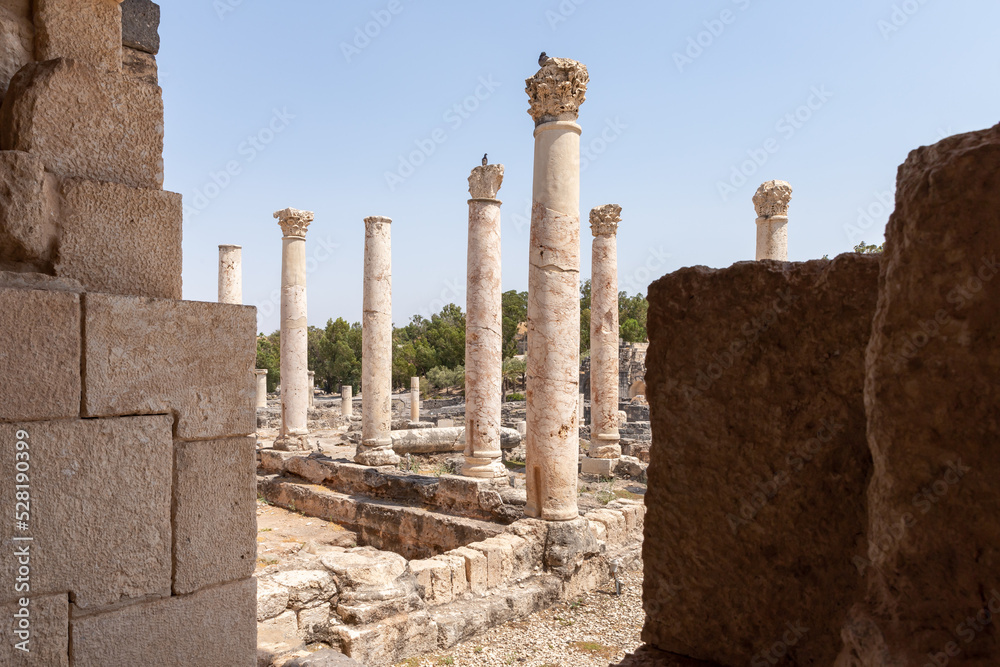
<point x="772" y="199"/>
<point x="294" y="222"/>
<point x="375" y="220"/>
<point x="230" y="247"/>
<point x="557" y="90"/>
<point x="604" y="220"/>
<point x="485" y="182"/>
<point x="260" y="371"/>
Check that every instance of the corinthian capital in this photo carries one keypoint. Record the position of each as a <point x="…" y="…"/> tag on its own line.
<point x="485" y="182"/>
<point x="604" y="220"/>
<point x="557" y="90"/>
<point x="294" y="222"/>
<point x="772" y="199"/>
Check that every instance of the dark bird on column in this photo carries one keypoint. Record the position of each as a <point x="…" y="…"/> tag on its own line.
<point x="485" y="161"/>
<point x="542" y="58"/>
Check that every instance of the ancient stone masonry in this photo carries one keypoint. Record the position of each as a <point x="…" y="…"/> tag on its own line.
<point x="483" y="340"/>
<point x="261" y="375"/>
<point x="230" y="274"/>
<point x="415" y="399"/>
<point x="347" y="400"/>
<point x="294" y="333"/>
<point x="127" y="411"/>
<point x="556" y="92"/>
<point x="771" y="201"/>
<point x="605" y="449"/>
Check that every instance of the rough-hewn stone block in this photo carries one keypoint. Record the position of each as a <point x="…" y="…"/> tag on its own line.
<point x="28" y="202"/>
<point x="16" y="44"/>
<point x="39" y="355"/>
<point x="121" y="240"/>
<point x="140" y="25"/>
<point x="475" y="568"/>
<point x="48" y="640"/>
<point x="100" y="508"/>
<point x="148" y="356"/>
<point x="216" y="626"/>
<point x="756" y="495"/>
<point x="86" y="123"/>
<point x="933" y="385"/>
<point x="215" y="527"/>
<point x="140" y="66"/>
<point x="89" y="31"/>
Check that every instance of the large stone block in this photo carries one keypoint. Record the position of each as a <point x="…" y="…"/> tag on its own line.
<point x="933" y="385"/>
<point x="192" y="359"/>
<point x="99" y="508"/>
<point x="216" y="626"/>
<point x="140" y="66"/>
<point x="140" y="25"/>
<point x="47" y="639"/>
<point x="86" y="30"/>
<point x="39" y="355"/>
<point x="121" y="240"/>
<point x="28" y="221"/>
<point x="86" y="123"/>
<point x="756" y="495"/>
<point x="215" y="527"/>
<point x="17" y="39"/>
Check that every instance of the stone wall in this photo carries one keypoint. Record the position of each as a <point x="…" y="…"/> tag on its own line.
<point x="126" y="411"/>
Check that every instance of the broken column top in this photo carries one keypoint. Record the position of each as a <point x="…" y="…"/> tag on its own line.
<point x="485" y="182"/>
<point x="604" y="220"/>
<point x="294" y="222"/>
<point x="377" y="220"/>
<point x="557" y="90"/>
<point x="772" y="199"/>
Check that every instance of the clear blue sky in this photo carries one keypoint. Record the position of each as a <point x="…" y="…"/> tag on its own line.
<point x="883" y="77"/>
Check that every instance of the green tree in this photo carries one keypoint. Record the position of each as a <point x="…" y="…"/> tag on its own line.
<point x="868" y="249"/>
<point x="632" y="311"/>
<point x="513" y="373"/>
<point x="444" y="378"/>
<point x="269" y="358"/>
<point x="585" y="318"/>
<point x="514" y="308"/>
<point x="339" y="356"/>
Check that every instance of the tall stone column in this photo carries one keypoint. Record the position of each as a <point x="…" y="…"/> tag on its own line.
<point x="553" y="373"/>
<point x="231" y="274"/>
<point x="414" y="399"/>
<point x="605" y="449"/>
<point x="294" y="335"/>
<point x="376" y="354"/>
<point x="346" y="400"/>
<point x="261" y="374"/>
<point x="483" y="328"/>
<point x="312" y="388"/>
<point x="771" y="201"/>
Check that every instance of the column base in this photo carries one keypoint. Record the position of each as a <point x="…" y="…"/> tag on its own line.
<point x="550" y="515"/>
<point x="293" y="443"/>
<point x="600" y="467"/>
<point x="604" y="450"/>
<point x="483" y="468"/>
<point x="376" y="456"/>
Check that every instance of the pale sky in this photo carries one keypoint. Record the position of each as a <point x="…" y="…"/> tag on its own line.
<point x="383" y="108"/>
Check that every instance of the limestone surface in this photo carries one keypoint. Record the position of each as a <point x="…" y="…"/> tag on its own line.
<point x="28" y="224"/>
<point x="48" y="636"/>
<point x="140" y="25"/>
<point x="231" y="274"/>
<point x="604" y="333"/>
<point x="140" y="66"/>
<point x="771" y="202"/>
<point x="759" y="461"/>
<point x="89" y="31"/>
<point x="17" y="40"/>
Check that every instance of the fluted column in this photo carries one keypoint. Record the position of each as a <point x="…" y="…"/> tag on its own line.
<point x="231" y="274"/>
<point x="605" y="448"/>
<point x="556" y="93"/>
<point x="376" y="354"/>
<point x="771" y="202"/>
<point x="294" y="333"/>
<point x="483" y="329"/>
<point x="261" y="374"/>
<point x="346" y="400"/>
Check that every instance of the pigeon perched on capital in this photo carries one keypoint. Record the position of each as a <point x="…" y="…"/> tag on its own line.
<point x="485" y="161"/>
<point x="542" y="59"/>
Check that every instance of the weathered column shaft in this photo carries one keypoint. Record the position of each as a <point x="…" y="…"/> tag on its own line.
<point x="771" y="202"/>
<point x="484" y="328"/>
<point x="376" y="356"/>
<point x="231" y="274"/>
<point x="294" y="334"/>
<point x="556" y="92"/>
<point x="261" y="387"/>
<point x="346" y="400"/>
<point x="312" y="388"/>
<point x="414" y="399"/>
<point x="604" y="334"/>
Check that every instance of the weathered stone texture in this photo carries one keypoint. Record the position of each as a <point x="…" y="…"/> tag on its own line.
<point x="28" y="228"/>
<point x="216" y="626"/>
<point x="39" y="355"/>
<point x="48" y="643"/>
<point x="121" y="240"/>
<point x="932" y="388"/>
<point x="89" y="31"/>
<point x="86" y="123"/>
<point x="101" y="516"/>
<point x="150" y="356"/>
<point x="140" y="25"/>
<point x="215" y="528"/>
<point x="17" y="38"/>
<point x="759" y="461"/>
<point x="140" y="66"/>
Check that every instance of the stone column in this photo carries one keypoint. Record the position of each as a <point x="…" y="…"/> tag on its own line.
<point x="312" y="388"/>
<point x="294" y="335"/>
<point x="771" y="202"/>
<point x="553" y="374"/>
<point x="346" y="400"/>
<point x="414" y="399"/>
<point x="261" y="374"/>
<point x="231" y="274"/>
<point x="376" y="354"/>
<point x="605" y="449"/>
<point x="483" y="329"/>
